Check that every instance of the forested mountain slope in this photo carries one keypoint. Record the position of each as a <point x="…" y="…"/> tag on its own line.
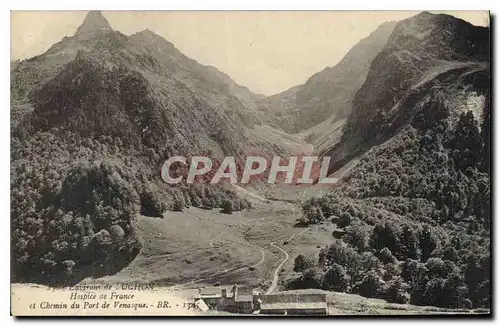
<point x="423" y="53"/>
<point x="414" y="214"/>
<point x="94" y="118"/>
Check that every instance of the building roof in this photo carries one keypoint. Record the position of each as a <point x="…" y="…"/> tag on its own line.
<point x="213" y="292"/>
<point x="242" y="298"/>
<point x="209" y="296"/>
<point x="210" y="290"/>
<point x="294" y="297"/>
<point x="293" y="305"/>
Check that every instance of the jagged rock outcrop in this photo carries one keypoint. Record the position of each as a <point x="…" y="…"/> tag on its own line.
<point x="94" y="23"/>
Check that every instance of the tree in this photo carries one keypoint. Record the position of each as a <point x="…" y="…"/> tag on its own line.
<point x="68" y="267"/>
<point x="371" y="286"/>
<point x="467" y="143"/>
<point x="433" y="295"/>
<point x="368" y="261"/>
<point x="427" y="243"/>
<point x="357" y="235"/>
<point x="409" y="243"/>
<point x="339" y="253"/>
<point x="436" y="267"/>
<point x="455" y="292"/>
<point x="386" y="256"/>
<point x="477" y="277"/>
<point x="335" y="279"/>
<point x="450" y="253"/>
<point x="207" y="203"/>
<point x="397" y="291"/>
<point x="302" y="263"/>
<point x="385" y="235"/>
<point x="311" y="278"/>
<point x="312" y="214"/>
<point x="417" y="276"/>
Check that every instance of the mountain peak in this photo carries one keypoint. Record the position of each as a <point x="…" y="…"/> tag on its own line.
<point x="94" y="22"/>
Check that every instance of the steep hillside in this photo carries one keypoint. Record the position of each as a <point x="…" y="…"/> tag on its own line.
<point x="415" y="211"/>
<point x="94" y="119"/>
<point x="330" y="91"/>
<point x="206" y="109"/>
<point x="423" y="53"/>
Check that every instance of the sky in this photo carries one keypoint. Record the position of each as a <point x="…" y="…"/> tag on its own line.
<point x="266" y="51"/>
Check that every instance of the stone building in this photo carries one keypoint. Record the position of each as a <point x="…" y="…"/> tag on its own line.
<point x="226" y="299"/>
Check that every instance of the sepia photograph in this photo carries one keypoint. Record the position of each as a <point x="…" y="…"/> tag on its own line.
<point x="250" y="163"/>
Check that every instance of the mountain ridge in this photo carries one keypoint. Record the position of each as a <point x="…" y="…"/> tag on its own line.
<point x="93" y="23"/>
<point x="418" y="47"/>
<point x="329" y="92"/>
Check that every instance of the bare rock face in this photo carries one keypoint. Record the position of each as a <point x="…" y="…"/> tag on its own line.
<point x="93" y="23"/>
<point x="425" y="53"/>
<point x="329" y="92"/>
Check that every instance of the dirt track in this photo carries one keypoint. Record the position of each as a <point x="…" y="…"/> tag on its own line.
<point x="196" y="248"/>
<point x="276" y="274"/>
<point x="236" y="269"/>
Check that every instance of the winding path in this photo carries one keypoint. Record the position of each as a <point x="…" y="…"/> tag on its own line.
<point x="235" y="269"/>
<point x="276" y="274"/>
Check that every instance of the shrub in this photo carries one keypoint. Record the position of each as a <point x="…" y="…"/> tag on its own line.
<point x="344" y="220"/>
<point x="207" y="203"/>
<point x="227" y="206"/>
<point x="397" y="291"/>
<point x="68" y="267"/>
<point x="195" y="201"/>
<point x="178" y="205"/>
<point x="236" y="204"/>
<point x="151" y="205"/>
<point x="116" y="232"/>
<point x="244" y="204"/>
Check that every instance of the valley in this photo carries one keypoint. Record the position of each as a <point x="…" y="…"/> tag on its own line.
<point x="199" y="247"/>
<point x="404" y="116"/>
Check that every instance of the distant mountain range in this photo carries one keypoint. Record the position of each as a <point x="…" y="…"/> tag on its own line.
<point x="329" y="92"/>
